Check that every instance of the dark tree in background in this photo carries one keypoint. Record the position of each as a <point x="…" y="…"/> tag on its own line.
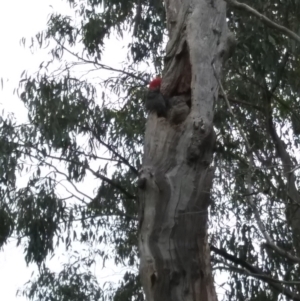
<point x="81" y="129"/>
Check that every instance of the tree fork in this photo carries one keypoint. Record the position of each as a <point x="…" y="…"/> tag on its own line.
<point x="176" y="173"/>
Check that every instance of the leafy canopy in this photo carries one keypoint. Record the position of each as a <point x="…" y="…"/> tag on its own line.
<point x="82" y="131"/>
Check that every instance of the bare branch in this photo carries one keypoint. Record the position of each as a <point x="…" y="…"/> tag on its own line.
<point x="63" y="174"/>
<point x="69" y="181"/>
<point x="124" y="160"/>
<point x="264" y="19"/>
<point x="95" y="173"/>
<point x="100" y="66"/>
<point x="112" y="183"/>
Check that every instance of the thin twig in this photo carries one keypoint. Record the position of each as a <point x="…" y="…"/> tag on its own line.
<point x="264" y="19"/>
<point x="123" y="159"/>
<point x="101" y="66"/>
<point x="95" y="173"/>
<point x="230" y="110"/>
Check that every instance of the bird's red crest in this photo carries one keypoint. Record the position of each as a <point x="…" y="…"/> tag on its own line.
<point x="155" y="83"/>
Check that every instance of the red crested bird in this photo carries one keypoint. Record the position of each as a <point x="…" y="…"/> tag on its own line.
<point x="155" y="102"/>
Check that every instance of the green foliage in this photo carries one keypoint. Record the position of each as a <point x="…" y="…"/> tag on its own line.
<point x="129" y="288"/>
<point x="262" y="85"/>
<point x="6" y="225"/>
<point x="71" y="284"/>
<point x="39" y="215"/>
<point x="77" y="134"/>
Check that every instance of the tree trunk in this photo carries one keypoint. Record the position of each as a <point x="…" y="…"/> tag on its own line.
<point x="176" y="177"/>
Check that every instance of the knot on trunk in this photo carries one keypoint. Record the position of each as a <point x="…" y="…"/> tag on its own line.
<point x="145" y="174"/>
<point x="179" y="108"/>
<point x="202" y="143"/>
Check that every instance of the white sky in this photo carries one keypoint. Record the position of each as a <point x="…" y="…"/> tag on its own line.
<point x="24" y="18"/>
<point x="20" y="18"/>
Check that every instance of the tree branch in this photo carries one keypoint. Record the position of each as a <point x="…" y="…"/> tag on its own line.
<point x="257" y="273"/>
<point x="123" y="159"/>
<point x="110" y="148"/>
<point x="100" y="66"/>
<point x="275" y="97"/>
<point x="242" y="102"/>
<point x="97" y="174"/>
<point x="264" y="19"/>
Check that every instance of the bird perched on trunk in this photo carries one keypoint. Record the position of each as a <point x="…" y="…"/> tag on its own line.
<point x="155" y="102"/>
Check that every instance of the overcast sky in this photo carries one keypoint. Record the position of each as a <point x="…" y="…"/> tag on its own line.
<point x="18" y="18"/>
<point x="24" y="18"/>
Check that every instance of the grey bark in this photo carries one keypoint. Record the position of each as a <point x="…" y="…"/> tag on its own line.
<point x="177" y="175"/>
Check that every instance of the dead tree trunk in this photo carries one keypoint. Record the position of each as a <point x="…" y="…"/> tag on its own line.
<point x="176" y="177"/>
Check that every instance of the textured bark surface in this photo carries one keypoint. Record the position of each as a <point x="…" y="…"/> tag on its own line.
<point x="176" y="177"/>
